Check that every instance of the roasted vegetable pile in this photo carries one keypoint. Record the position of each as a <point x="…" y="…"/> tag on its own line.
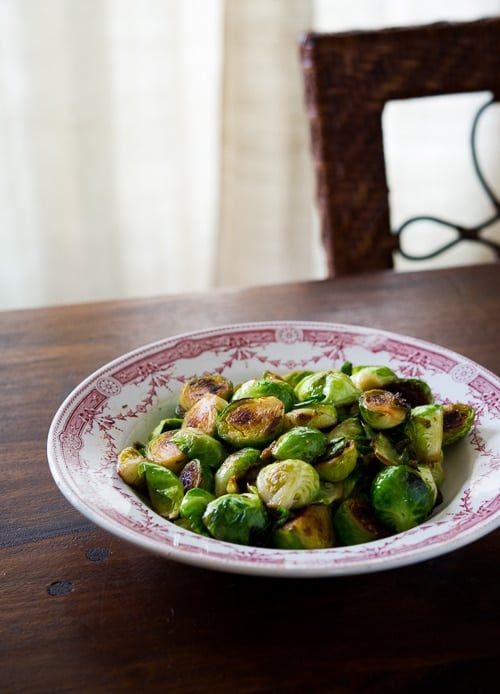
<point x="305" y="460"/>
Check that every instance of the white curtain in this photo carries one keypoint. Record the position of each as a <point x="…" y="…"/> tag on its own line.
<point x="161" y="146"/>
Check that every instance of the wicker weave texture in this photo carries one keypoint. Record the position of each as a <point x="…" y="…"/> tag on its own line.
<point x="348" y="78"/>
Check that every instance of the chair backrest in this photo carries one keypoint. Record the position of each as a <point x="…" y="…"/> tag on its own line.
<point x="349" y="77"/>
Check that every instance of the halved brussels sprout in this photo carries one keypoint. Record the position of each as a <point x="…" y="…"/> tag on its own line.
<point x="382" y="409"/>
<point x="166" y="424"/>
<point x="165" y="490"/>
<point x="352" y="428"/>
<point x="288" y="483"/>
<point x="370" y="377"/>
<point x="457" y="422"/>
<point x="194" y="443"/>
<point x="339" y="461"/>
<point x="253" y="422"/>
<point x="332" y="387"/>
<point x="390" y="452"/>
<point x="303" y="443"/>
<point x="319" y="416"/>
<point x="426" y="473"/>
<point x="293" y="377"/>
<point x="163" y="451"/>
<point x="310" y="528"/>
<point x="401" y="498"/>
<point x="234" y="469"/>
<point x="329" y="492"/>
<point x="192" y="508"/>
<point x="196" y="388"/>
<point x="195" y="475"/>
<point x="425" y="432"/>
<point x="269" y="384"/>
<point x="203" y="414"/>
<point x="355" y="522"/>
<point x="239" y="518"/>
<point x="415" y="391"/>
<point x="129" y="467"/>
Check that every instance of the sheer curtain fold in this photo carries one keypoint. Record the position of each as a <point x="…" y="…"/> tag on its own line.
<point x="162" y="146"/>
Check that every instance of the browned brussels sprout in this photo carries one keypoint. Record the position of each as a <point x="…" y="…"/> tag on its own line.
<point x="253" y="422"/>
<point x="269" y="384"/>
<point x="415" y="391"/>
<point x="425" y="432"/>
<point x="163" y="451"/>
<point x="230" y="477"/>
<point x="355" y="522"/>
<point x="457" y="422"/>
<point x="129" y="467"/>
<point x="370" y="377"/>
<point x="390" y="452"/>
<point x="318" y="416"/>
<point x="195" y="444"/>
<point x="381" y="409"/>
<point x="310" y="528"/>
<point x="197" y="476"/>
<point x="339" y="461"/>
<point x="196" y="388"/>
<point x="203" y="414"/>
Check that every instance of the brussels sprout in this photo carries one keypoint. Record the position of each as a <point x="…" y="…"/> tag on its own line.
<point x="352" y="428"/>
<point x="330" y="492"/>
<point x="269" y="384"/>
<point x="425" y="432"/>
<point x="370" y="377"/>
<point x="163" y="451"/>
<point x="332" y="387"/>
<point x="194" y="443"/>
<point x="239" y="518"/>
<point x="166" y="425"/>
<point x="164" y="489"/>
<point x="288" y="483"/>
<point x="203" y="414"/>
<point x="390" y="452"/>
<point x="294" y="377"/>
<point x="311" y="528"/>
<point x="234" y="469"/>
<point x="318" y="416"/>
<point x="415" y="391"/>
<point x="355" y="522"/>
<point x="192" y="508"/>
<point x="401" y="498"/>
<point x="196" y="388"/>
<point x="251" y="421"/>
<point x="129" y="467"/>
<point x="304" y="443"/>
<point x="437" y="469"/>
<point x="457" y="422"/>
<point x="339" y="461"/>
<point x="196" y="475"/>
<point x="426" y="473"/>
<point x="346" y="368"/>
<point x="382" y="409"/>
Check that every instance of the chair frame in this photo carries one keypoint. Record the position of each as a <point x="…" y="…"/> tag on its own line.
<point x="348" y="79"/>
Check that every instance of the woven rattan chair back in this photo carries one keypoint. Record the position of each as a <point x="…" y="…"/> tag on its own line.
<point x="348" y="79"/>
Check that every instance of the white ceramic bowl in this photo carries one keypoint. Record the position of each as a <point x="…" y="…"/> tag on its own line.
<point x="122" y="401"/>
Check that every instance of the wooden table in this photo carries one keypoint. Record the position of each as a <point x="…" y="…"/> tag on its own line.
<point x="81" y="611"/>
